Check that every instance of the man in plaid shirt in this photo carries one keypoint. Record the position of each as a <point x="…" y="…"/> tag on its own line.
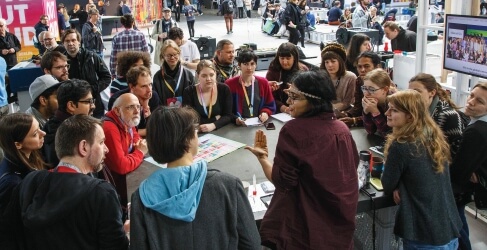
<point x="129" y="39"/>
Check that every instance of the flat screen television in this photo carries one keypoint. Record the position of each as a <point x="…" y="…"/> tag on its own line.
<point x="465" y="48"/>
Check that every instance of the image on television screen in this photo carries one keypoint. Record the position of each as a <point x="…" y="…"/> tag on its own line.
<point x="465" y="45"/>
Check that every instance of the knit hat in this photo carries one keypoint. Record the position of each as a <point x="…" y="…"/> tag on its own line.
<point x="337" y="48"/>
<point x="41" y="84"/>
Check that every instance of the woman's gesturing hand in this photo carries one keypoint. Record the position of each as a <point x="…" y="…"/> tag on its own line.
<point x="260" y="145"/>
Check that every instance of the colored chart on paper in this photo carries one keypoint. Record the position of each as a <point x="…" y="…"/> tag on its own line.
<point x="212" y="147"/>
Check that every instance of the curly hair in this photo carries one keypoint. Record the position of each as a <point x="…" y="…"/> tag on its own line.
<point x="421" y="129"/>
<point x="127" y="59"/>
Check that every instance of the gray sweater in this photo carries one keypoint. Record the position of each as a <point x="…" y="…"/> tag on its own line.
<point x="427" y="212"/>
<point x="224" y="220"/>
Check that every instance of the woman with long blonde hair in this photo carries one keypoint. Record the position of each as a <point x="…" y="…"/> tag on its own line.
<point x="416" y="172"/>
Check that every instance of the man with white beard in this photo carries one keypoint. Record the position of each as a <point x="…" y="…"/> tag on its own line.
<point x="126" y="149"/>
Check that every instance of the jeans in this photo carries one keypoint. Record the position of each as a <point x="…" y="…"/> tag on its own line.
<point x="464" y="240"/>
<point x="415" y="245"/>
<point x="191" y="28"/>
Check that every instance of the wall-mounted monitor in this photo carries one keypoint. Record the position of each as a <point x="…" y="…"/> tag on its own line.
<point x="465" y="48"/>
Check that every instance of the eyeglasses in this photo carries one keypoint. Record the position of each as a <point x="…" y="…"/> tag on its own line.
<point x="369" y="89"/>
<point x="44" y="19"/>
<point x="48" y="38"/>
<point x="132" y="108"/>
<point x="169" y="56"/>
<point x="294" y="98"/>
<point x="67" y="66"/>
<point x="90" y="101"/>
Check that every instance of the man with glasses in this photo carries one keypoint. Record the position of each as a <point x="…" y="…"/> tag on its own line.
<point x="128" y="39"/>
<point x="160" y="32"/>
<point x="88" y="66"/>
<point x="126" y="149"/>
<point x="9" y="45"/>
<point x="55" y="64"/>
<point x="51" y="44"/>
<point x="366" y="62"/>
<point x="74" y="97"/>
<point x="140" y="84"/>
<point x="40" y="27"/>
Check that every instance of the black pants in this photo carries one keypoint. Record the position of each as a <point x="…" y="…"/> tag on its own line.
<point x="191" y="28"/>
<point x="178" y="13"/>
<point x="302" y="32"/>
<point x="240" y="12"/>
<point x="293" y="35"/>
<point x="248" y="13"/>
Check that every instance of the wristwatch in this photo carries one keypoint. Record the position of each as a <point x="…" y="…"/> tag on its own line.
<point x="185" y="63"/>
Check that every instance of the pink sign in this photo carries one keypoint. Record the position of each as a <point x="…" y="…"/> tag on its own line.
<point x="22" y="16"/>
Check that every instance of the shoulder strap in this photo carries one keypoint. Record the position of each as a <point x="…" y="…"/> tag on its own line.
<point x="4" y="174"/>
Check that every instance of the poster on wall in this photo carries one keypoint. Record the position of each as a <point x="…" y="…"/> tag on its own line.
<point x="21" y="16"/>
<point x="146" y="11"/>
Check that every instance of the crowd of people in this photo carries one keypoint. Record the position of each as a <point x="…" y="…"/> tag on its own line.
<point x="73" y="149"/>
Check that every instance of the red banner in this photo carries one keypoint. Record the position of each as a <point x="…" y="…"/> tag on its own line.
<point x="22" y="16"/>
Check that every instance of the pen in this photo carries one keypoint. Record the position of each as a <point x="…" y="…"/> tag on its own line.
<point x="239" y="116"/>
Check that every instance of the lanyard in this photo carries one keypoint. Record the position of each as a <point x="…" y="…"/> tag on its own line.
<point x="337" y="83"/>
<point x="203" y="101"/>
<point x="177" y="85"/>
<point x="250" y="103"/>
<point x="223" y="73"/>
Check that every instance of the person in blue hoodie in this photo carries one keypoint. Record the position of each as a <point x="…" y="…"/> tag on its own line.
<point x="187" y="205"/>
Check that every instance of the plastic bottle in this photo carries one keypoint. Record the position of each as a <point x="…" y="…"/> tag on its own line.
<point x="386" y="46"/>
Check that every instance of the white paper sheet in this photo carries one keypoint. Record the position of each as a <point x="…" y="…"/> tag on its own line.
<point x="254" y="121"/>
<point x="283" y="117"/>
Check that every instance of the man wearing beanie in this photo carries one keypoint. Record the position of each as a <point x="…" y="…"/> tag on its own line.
<point x="43" y="92"/>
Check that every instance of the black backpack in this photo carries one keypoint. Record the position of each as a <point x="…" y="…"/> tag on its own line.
<point x="229" y="7"/>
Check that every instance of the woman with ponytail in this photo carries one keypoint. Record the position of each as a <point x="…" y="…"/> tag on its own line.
<point x="441" y="108"/>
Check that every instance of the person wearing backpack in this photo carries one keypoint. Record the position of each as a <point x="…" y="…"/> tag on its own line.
<point x="227" y="10"/>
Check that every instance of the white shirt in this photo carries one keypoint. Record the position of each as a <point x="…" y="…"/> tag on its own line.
<point x="189" y="52"/>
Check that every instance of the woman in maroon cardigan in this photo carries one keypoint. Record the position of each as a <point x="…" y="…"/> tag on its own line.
<point x="252" y="95"/>
<point x="314" y="172"/>
<point x="281" y="69"/>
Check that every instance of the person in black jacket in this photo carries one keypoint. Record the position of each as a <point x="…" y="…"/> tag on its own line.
<point x="87" y="66"/>
<point x="469" y="167"/>
<point x="292" y="17"/>
<point x="66" y="208"/>
<point x="40" y="27"/>
<point x="74" y="97"/>
<point x="9" y="45"/>
<point x="170" y="81"/>
<point x="401" y="39"/>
